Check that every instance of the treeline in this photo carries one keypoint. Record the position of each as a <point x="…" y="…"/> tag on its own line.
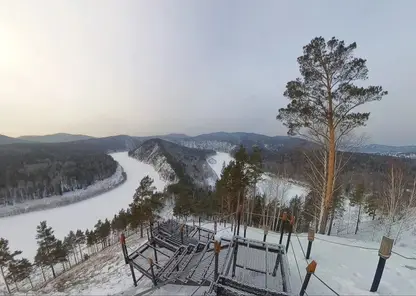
<point x="359" y="167"/>
<point x="39" y="171"/>
<point x="146" y="205"/>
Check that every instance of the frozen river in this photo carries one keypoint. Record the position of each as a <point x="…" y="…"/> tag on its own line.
<point x="20" y="230"/>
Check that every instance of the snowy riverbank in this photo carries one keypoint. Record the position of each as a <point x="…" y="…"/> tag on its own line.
<point x="67" y="198"/>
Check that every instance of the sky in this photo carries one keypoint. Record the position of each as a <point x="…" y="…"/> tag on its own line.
<point x="141" y="67"/>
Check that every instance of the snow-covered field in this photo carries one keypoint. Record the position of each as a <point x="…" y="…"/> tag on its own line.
<point x="290" y="189"/>
<point x="67" y="198"/>
<point x="344" y="265"/>
<point x="20" y="230"/>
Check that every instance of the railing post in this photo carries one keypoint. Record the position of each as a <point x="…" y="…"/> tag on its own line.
<point x="239" y="219"/>
<point x="152" y="270"/>
<point x="310" y="269"/>
<point x="311" y="237"/>
<point x="217" y="253"/>
<point x="151" y="230"/>
<point x="282" y="226"/>
<point x="123" y="247"/>
<point x="292" y="222"/>
<point x="235" y="256"/>
<point x="182" y="233"/>
<point x="384" y="253"/>
<point x="133" y="275"/>
<point x="266" y="230"/>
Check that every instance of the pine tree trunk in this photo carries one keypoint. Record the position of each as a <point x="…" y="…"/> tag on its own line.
<point x="324" y="221"/>
<point x="43" y="273"/>
<point x="141" y="230"/>
<point x="80" y="252"/>
<point x="53" y="271"/>
<point x="358" y="219"/>
<point x="332" y="220"/>
<point x="330" y="174"/>
<point x="75" y="257"/>
<point x="4" y="279"/>
<point x="30" y="281"/>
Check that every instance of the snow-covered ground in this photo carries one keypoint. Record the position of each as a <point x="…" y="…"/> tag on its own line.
<point x="345" y="266"/>
<point x="67" y="198"/>
<point x="290" y="189"/>
<point x="20" y="230"/>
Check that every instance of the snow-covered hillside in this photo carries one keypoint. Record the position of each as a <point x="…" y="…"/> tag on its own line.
<point x="269" y="183"/>
<point x="346" y="266"/>
<point x="173" y="161"/>
<point x="154" y="156"/>
<point x="20" y="230"/>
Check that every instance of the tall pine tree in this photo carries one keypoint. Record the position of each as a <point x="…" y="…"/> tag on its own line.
<point x="6" y="258"/>
<point x="323" y="104"/>
<point x="46" y="246"/>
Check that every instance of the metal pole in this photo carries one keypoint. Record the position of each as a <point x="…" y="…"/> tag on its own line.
<point x="305" y="284"/>
<point x="308" y="251"/>
<point x="310" y="269"/>
<point x="282" y="227"/>
<point x="288" y="238"/>
<point x="154" y="249"/>
<point x="123" y="247"/>
<point x="238" y="220"/>
<point x="235" y="256"/>
<point x="217" y="253"/>
<point x="265" y="234"/>
<point x="292" y="222"/>
<point x="151" y="229"/>
<point x="281" y="232"/>
<point x="182" y="234"/>
<point x="133" y="275"/>
<point x="153" y="272"/>
<point x="379" y="273"/>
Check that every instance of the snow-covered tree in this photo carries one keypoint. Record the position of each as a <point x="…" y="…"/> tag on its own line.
<point x="6" y="258"/>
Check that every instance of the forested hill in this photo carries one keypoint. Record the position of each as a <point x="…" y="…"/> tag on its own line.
<point x="370" y="169"/>
<point x="36" y="171"/>
<point x="176" y="163"/>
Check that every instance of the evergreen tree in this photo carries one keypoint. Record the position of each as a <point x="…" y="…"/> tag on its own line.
<point x="60" y="253"/>
<point x="357" y="199"/>
<point x="20" y="270"/>
<point x="323" y="102"/>
<point x="6" y="258"/>
<point x="47" y="245"/>
<point x="144" y="190"/>
<point x="79" y="240"/>
<point x="371" y="205"/>
<point x="70" y="242"/>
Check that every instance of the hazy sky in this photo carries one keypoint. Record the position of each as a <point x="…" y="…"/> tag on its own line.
<point x="150" y="67"/>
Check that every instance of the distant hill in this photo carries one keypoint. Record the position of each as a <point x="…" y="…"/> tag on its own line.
<point x="174" y="162"/>
<point x="399" y="151"/>
<point x="4" y="140"/>
<point x="55" y="138"/>
<point x="228" y="142"/>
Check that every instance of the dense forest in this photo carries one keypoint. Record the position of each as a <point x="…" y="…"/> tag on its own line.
<point x="36" y="171"/>
<point x="369" y="169"/>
